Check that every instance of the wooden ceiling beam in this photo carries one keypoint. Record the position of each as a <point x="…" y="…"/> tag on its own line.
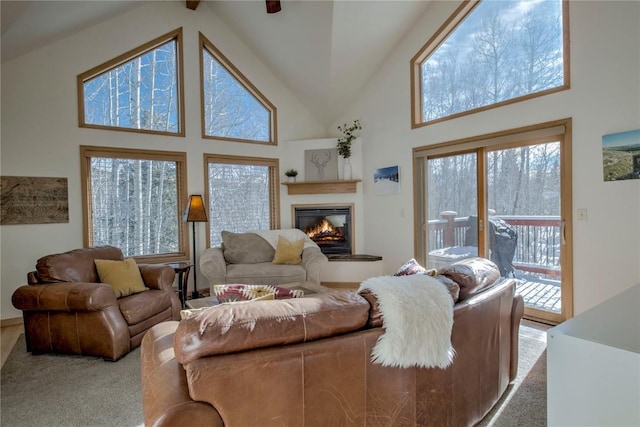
<point x="192" y="4"/>
<point x="273" y="6"/>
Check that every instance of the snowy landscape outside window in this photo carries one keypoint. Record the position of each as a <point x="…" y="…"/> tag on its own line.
<point x="135" y="202"/>
<point x="502" y="51"/>
<point x="242" y="195"/>
<point x="139" y="90"/>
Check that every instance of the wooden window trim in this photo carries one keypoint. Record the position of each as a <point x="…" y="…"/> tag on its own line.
<point x="274" y="182"/>
<point x="205" y="44"/>
<point x="125" y="57"/>
<point x="440" y="36"/>
<point x="88" y="152"/>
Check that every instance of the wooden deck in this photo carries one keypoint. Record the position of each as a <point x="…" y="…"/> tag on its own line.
<point x="540" y="293"/>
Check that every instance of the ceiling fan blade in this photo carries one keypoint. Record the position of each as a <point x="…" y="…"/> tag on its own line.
<point x="192" y="4"/>
<point x="273" y="6"/>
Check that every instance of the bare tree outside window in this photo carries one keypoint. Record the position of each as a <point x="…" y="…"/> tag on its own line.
<point x="503" y="50"/>
<point x="521" y="181"/>
<point x="133" y="200"/>
<point x="138" y="90"/>
<point x="135" y="205"/>
<point x="240" y="197"/>
<point x="233" y="107"/>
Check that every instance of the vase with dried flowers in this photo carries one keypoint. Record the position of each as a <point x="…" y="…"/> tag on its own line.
<point x="344" y="145"/>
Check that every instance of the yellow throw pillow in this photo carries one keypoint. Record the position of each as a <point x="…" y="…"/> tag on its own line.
<point x="288" y="252"/>
<point x="123" y="276"/>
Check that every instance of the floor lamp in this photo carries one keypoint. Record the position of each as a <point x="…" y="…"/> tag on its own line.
<point x="195" y="212"/>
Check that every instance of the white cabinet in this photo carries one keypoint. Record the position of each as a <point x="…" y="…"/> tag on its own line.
<point x="593" y="365"/>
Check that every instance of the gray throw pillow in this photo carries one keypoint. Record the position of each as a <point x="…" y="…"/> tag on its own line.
<point x="472" y="275"/>
<point x="246" y="248"/>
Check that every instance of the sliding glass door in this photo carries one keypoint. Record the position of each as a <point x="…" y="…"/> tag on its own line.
<point x="502" y="198"/>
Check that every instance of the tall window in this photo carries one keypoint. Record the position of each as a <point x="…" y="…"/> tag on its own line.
<point x="243" y="195"/>
<point x="488" y="54"/>
<point x="132" y="200"/>
<point x="140" y="90"/>
<point x="233" y="108"/>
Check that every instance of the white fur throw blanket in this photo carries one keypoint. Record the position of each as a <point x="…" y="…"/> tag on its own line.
<point x="417" y="315"/>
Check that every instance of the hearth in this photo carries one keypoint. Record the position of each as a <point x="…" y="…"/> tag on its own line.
<point x="329" y="226"/>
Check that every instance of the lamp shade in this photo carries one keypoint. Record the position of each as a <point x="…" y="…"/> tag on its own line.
<point x="195" y="212"/>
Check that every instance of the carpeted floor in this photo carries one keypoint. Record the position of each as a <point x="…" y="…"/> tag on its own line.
<point x="57" y="391"/>
<point x="525" y="401"/>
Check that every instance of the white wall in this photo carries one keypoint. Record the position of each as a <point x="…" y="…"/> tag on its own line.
<point x="604" y="98"/>
<point x="40" y="133"/>
<point x="293" y="157"/>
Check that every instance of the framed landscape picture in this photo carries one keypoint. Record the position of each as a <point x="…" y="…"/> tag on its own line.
<point x="386" y="180"/>
<point x="621" y="156"/>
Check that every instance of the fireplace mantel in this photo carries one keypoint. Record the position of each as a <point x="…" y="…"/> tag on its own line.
<point x="322" y="187"/>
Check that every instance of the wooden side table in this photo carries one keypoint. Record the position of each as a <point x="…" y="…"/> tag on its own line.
<point x="182" y="269"/>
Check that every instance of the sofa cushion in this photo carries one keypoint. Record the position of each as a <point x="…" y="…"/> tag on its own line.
<point x="190" y="311"/>
<point x="452" y="287"/>
<point x="265" y="273"/>
<point x="243" y="292"/>
<point x="412" y="267"/>
<point x="246" y="248"/>
<point x="139" y="307"/>
<point x="233" y="328"/>
<point x="472" y="274"/>
<point x="288" y="252"/>
<point x="76" y="265"/>
<point x="123" y="276"/>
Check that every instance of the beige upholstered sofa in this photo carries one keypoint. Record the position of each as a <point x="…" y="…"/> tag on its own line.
<point x="249" y="258"/>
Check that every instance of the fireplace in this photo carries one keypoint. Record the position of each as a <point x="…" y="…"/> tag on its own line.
<point x="331" y="227"/>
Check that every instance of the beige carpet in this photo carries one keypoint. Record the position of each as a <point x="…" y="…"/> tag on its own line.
<point x="525" y="401"/>
<point x="56" y="391"/>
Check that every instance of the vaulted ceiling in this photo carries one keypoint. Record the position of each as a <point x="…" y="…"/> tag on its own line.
<point x="323" y="51"/>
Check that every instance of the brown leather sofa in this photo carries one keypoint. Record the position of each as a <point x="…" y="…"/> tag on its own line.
<point x="66" y="310"/>
<point x="315" y="368"/>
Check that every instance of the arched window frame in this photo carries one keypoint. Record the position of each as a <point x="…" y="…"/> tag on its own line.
<point x="449" y="26"/>
<point x="176" y="36"/>
<point x="206" y="45"/>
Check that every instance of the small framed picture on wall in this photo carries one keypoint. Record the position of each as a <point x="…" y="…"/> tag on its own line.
<point x="386" y="180"/>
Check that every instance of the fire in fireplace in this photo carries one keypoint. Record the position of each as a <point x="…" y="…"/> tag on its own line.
<point x="328" y="226"/>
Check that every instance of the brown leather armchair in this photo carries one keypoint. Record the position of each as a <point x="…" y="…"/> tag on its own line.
<point x="67" y="310"/>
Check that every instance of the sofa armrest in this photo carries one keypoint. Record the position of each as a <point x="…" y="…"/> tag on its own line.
<point x="517" y="311"/>
<point x="165" y="392"/>
<point x="157" y="276"/>
<point x="314" y="261"/>
<point x="213" y="266"/>
<point x="64" y="297"/>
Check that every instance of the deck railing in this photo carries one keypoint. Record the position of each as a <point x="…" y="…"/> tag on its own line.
<point x="538" y="244"/>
